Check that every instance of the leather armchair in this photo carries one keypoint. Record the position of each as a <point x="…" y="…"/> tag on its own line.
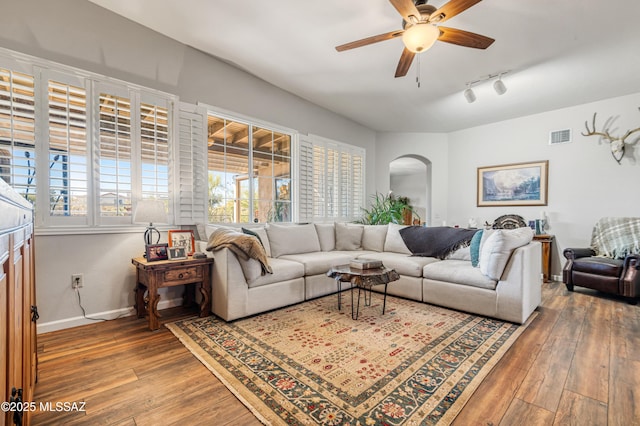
<point x="617" y="276"/>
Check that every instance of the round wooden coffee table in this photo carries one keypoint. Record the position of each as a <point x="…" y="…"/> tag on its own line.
<point x="363" y="280"/>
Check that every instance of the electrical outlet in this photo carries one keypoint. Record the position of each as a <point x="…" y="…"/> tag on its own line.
<point x="77" y="280"/>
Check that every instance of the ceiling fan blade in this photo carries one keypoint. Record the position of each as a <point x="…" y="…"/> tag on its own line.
<point x="464" y="38"/>
<point x="369" y="40"/>
<point x="451" y="9"/>
<point x="407" y="9"/>
<point x="405" y="62"/>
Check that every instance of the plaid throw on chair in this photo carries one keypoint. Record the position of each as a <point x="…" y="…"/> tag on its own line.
<point x="616" y="237"/>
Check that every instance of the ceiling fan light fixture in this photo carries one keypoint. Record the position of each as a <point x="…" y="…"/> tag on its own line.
<point x="469" y="95"/>
<point x="499" y="86"/>
<point x="420" y="37"/>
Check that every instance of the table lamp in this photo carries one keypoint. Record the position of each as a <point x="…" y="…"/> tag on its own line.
<point x="150" y="211"/>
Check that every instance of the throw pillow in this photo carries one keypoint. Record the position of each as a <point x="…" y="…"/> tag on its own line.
<point x="497" y="249"/>
<point x="475" y="248"/>
<point x="393" y="241"/>
<point x="348" y="237"/>
<point x="373" y="237"/>
<point x="292" y="239"/>
<point x="326" y="235"/>
<point x="262" y="234"/>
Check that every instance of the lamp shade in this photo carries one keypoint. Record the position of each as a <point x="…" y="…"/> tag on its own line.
<point x="150" y="211"/>
<point x="420" y="37"/>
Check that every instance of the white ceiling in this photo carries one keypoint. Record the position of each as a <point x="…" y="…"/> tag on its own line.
<point x="559" y="53"/>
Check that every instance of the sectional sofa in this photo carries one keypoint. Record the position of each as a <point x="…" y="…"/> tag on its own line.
<point x="506" y="283"/>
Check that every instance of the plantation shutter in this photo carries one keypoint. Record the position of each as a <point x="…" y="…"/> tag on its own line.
<point x="67" y="150"/>
<point x="305" y="180"/>
<point x="17" y="132"/>
<point x="192" y="175"/>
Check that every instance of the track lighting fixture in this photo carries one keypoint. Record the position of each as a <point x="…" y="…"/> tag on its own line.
<point x="498" y="86"/>
<point x="469" y="95"/>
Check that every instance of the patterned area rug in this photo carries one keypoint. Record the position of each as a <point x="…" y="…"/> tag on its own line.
<point x="312" y="364"/>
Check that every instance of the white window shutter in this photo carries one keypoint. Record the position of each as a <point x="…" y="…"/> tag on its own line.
<point x="191" y="200"/>
<point x="305" y="181"/>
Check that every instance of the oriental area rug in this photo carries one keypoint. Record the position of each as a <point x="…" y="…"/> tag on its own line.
<point x="311" y="363"/>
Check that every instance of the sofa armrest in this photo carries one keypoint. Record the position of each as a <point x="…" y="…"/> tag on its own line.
<point x="630" y="282"/>
<point x="576" y="253"/>
<point x="519" y="290"/>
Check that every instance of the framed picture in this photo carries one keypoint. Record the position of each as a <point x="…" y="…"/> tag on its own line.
<point x="177" y="253"/>
<point x="156" y="252"/>
<point x="182" y="239"/>
<point x="521" y="184"/>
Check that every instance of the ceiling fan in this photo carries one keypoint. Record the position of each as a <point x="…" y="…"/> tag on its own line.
<point x="419" y="30"/>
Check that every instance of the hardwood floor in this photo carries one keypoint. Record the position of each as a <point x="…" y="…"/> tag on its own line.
<point x="578" y="363"/>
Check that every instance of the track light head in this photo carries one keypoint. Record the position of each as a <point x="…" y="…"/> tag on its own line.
<point x="469" y="95"/>
<point x="499" y="86"/>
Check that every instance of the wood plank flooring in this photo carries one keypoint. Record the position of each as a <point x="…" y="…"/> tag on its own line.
<point x="578" y="363"/>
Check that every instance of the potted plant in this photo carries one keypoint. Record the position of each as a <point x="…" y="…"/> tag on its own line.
<point x="386" y="209"/>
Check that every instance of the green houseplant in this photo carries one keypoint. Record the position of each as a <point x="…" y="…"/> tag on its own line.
<point x="386" y="209"/>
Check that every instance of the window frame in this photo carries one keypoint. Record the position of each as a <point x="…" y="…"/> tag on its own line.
<point x="42" y="71"/>
<point x="252" y="123"/>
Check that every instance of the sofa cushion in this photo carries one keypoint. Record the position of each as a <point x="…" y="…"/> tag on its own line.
<point x="326" y="235"/>
<point x="458" y="272"/>
<point x="283" y="270"/>
<point x="292" y="239"/>
<point x="373" y="237"/>
<point x="393" y="241"/>
<point x="497" y="249"/>
<point x="463" y="253"/>
<point x="320" y="262"/>
<point x="348" y="236"/>
<point x="599" y="266"/>
<point x="402" y="263"/>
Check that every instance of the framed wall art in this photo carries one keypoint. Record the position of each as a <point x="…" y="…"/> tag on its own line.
<point x="184" y="239"/>
<point x="520" y="184"/>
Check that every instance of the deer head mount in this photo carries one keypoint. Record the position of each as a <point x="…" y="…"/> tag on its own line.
<point x="617" y="143"/>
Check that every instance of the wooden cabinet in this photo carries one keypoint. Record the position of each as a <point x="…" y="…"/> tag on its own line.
<point x="150" y="276"/>
<point x="18" y="313"/>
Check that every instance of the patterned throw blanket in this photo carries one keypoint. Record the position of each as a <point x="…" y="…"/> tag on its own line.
<point x="616" y="237"/>
<point x="243" y="245"/>
<point x="437" y="241"/>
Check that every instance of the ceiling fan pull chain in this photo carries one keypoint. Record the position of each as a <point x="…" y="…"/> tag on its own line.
<point x="418" y="72"/>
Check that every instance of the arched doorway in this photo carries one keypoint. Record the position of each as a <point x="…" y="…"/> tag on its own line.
<point x="410" y="176"/>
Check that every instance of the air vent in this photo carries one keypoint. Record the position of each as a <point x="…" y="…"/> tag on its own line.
<point x="560" y="136"/>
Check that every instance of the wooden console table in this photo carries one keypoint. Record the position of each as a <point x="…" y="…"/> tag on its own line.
<point x="546" y="241"/>
<point x="150" y="276"/>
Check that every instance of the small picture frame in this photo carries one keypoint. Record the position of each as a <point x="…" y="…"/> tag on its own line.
<point x="184" y="239"/>
<point x="177" y="253"/>
<point x="156" y="252"/>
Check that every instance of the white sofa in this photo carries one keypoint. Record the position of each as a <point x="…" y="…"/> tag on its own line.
<point x="301" y="255"/>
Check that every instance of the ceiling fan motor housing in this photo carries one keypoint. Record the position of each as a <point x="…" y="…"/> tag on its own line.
<point x="426" y="10"/>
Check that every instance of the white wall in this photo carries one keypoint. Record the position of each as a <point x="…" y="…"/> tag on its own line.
<point x="585" y="183"/>
<point x="81" y="34"/>
<point x="433" y="147"/>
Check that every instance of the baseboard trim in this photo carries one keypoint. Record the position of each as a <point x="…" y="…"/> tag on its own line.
<point x="556" y="278"/>
<point x="62" y="324"/>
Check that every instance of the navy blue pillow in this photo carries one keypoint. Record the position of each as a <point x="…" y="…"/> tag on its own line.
<point x="475" y="248"/>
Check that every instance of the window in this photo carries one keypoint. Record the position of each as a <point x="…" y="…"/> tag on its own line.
<point x="335" y="173"/>
<point x="17" y="132"/>
<point x="67" y="151"/>
<point x="98" y="145"/>
<point x="249" y="172"/>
